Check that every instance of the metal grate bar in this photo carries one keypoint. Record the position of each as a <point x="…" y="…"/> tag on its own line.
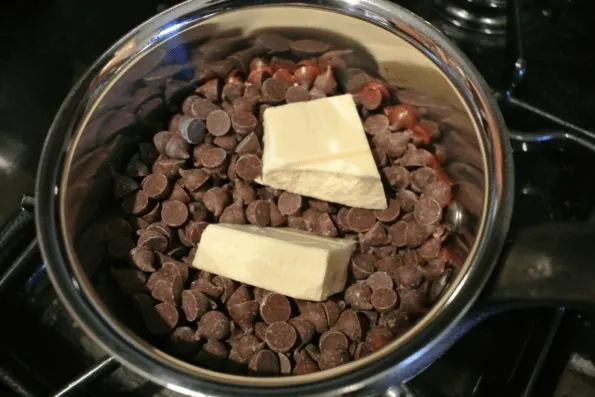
<point x="97" y="371"/>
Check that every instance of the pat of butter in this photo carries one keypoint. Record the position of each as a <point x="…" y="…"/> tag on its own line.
<point x="287" y="261"/>
<point x="319" y="149"/>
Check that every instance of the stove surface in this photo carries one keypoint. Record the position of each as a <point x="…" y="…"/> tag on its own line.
<point x="548" y="102"/>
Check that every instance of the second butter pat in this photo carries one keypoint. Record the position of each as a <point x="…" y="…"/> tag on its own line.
<point x="291" y="262"/>
<point x="319" y="149"/>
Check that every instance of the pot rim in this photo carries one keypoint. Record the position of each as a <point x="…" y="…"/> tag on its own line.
<point x="382" y="367"/>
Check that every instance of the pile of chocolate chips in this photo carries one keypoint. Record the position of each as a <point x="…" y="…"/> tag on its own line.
<point x="201" y="170"/>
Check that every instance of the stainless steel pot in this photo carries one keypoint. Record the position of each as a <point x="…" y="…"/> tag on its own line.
<point x="100" y="120"/>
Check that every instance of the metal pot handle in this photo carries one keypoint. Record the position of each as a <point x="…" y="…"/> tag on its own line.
<point x="546" y="265"/>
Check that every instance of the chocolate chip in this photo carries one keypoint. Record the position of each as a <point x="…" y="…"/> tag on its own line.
<point x="408" y="277"/>
<point x="341" y="219"/>
<point x="148" y="153"/>
<point x="325" y="226"/>
<point x="120" y="247"/>
<point x="234" y="214"/>
<point x="316" y="93"/>
<point x="305" y="330"/>
<point x="160" y="227"/>
<point x="284" y="364"/>
<point x="296" y="222"/>
<point x="430" y="249"/>
<point x="289" y="203"/>
<point x="308" y="47"/>
<point x="413" y="301"/>
<point x="333" y="357"/>
<point x="280" y="337"/>
<point x="265" y="362"/>
<point x="218" y="123"/>
<point x="213" y="157"/>
<point x="416" y="157"/>
<point x="193" y="179"/>
<point x="326" y="82"/>
<point x="243" y="122"/>
<point x="229" y="286"/>
<point x="440" y="192"/>
<point x="174" y="213"/>
<point x="195" y="304"/>
<point x="360" y="220"/>
<point x="375" y="237"/>
<point x="213" y="325"/>
<point x="422" y="177"/>
<point x="153" y="240"/>
<point x="123" y="185"/>
<point x="192" y="130"/>
<point x="130" y="281"/>
<point x="358" y="296"/>
<point x="397" y="176"/>
<point x="332" y="310"/>
<point x="398" y="233"/>
<point x="273" y="90"/>
<point x="305" y="367"/>
<point x="362" y="266"/>
<point x="258" y="213"/>
<point x="396" y="321"/>
<point x="245" y="347"/>
<point x="212" y="354"/>
<point x="379" y="280"/>
<point x="179" y="194"/>
<point x="260" y="329"/>
<point x="194" y="231"/>
<point x="417" y="233"/>
<point x="240" y="295"/>
<point x="216" y="199"/>
<point x="156" y="186"/>
<point x="168" y="290"/>
<point x="316" y="315"/>
<point x="297" y="93"/>
<point x="207" y="288"/>
<point x="376" y="124"/>
<point x="201" y="108"/>
<point x="333" y="340"/>
<point x="249" y="145"/>
<point x="384" y="300"/>
<point x="233" y="90"/>
<point x="143" y="259"/>
<point x="277" y="218"/>
<point x="273" y="42"/>
<point x="390" y="214"/>
<point x="248" y="167"/>
<point x="162" y="319"/>
<point x="154" y="214"/>
<point x="136" y="168"/>
<point x="351" y="324"/>
<point x="244" y="314"/>
<point x="407" y="200"/>
<point x="160" y="140"/>
<point x="210" y="90"/>
<point x="389" y="264"/>
<point x="177" y="148"/>
<point x="168" y="167"/>
<point x="275" y="307"/>
<point x="227" y="142"/>
<point x="322" y="206"/>
<point x="182" y="342"/>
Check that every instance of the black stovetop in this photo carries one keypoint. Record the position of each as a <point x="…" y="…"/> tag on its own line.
<point x="548" y="108"/>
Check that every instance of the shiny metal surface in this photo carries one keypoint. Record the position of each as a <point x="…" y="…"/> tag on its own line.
<point x="488" y="17"/>
<point x="74" y="178"/>
<point x="102" y="368"/>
